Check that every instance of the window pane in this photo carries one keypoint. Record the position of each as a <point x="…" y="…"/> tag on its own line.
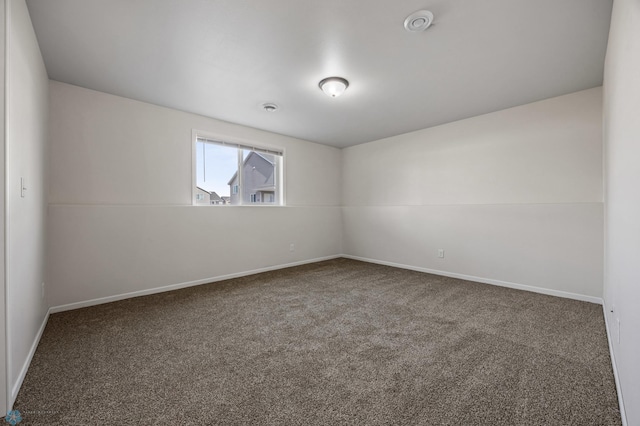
<point x="229" y="173"/>
<point x="216" y="168"/>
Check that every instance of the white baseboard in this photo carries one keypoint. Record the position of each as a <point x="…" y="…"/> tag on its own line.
<point x="108" y="299"/>
<point x="25" y="367"/>
<point x="623" y="414"/>
<point x="516" y="286"/>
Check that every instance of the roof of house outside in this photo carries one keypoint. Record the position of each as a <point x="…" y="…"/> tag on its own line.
<point x="252" y="153"/>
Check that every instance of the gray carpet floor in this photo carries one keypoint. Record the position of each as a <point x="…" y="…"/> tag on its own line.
<point x="330" y="343"/>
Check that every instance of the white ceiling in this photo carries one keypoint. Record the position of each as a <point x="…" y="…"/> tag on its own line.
<point x="225" y="58"/>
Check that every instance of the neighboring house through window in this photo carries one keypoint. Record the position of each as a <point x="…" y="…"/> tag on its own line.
<point x="203" y="197"/>
<point x="258" y="179"/>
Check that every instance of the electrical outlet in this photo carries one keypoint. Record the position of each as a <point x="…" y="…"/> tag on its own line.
<point x="441" y="253"/>
<point x="292" y="247"/>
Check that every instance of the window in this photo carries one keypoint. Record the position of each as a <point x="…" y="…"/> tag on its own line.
<point x="237" y="173"/>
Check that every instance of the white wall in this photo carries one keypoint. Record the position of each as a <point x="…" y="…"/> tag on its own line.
<point x="513" y="197"/>
<point x="3" y="316"/>
<point x="26" y="154"/>
<point x="622" y="198"/>
<point x="120" y="194"/>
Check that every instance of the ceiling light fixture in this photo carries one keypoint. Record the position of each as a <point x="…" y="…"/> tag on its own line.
<point x="334" y="86"/>
<point x="270" y="107"/>
<point x="418" y="21"/>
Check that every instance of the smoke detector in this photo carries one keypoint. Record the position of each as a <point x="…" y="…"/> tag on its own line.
<point x="418" y="21"/>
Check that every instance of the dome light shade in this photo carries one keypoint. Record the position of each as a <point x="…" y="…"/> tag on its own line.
<point x="334" y="86"/>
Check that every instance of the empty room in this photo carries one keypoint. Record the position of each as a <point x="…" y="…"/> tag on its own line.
<point x="289" y="212"/>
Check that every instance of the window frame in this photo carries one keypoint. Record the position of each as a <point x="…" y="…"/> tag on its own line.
<point x="279" y="201"/>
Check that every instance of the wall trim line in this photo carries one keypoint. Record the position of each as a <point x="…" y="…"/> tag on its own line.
<point x="516" y="286"/>
<point x="27" y="363"/>
<point x="623" y="414"/>
<point x="170" y="287"/>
